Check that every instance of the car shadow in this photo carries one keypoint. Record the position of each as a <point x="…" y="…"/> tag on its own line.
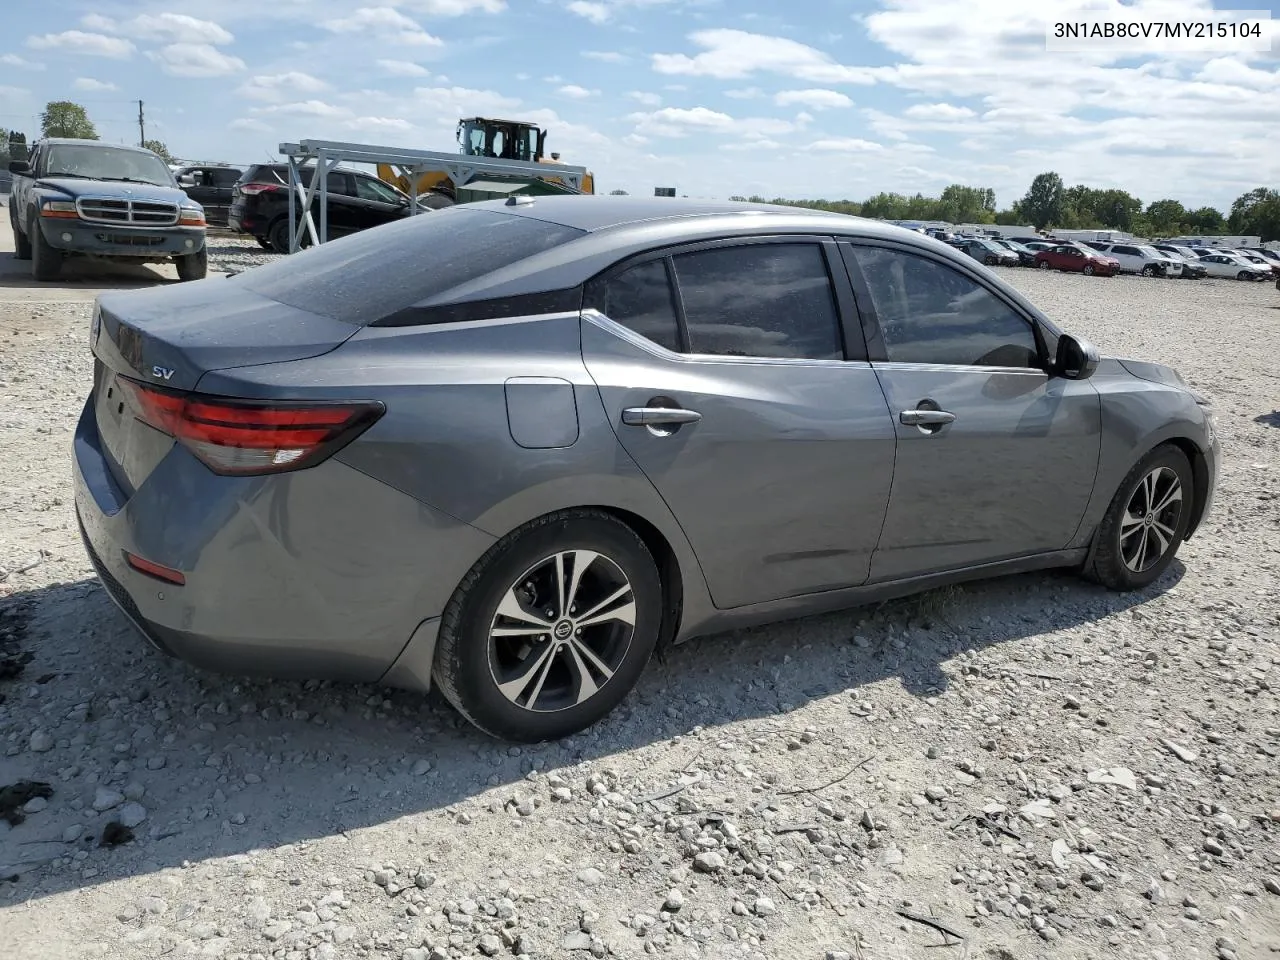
<point x="312" y="760"/>
<point x="81" y="273"/>
<point x="1271" y="419"/>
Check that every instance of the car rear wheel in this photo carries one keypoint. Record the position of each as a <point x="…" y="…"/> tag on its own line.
<point x="551" y="628"/>
<point x="194" y="266"/>
<point x="46" y="261"/>
<point x="278" y="236"/>
<point x="21" y="245"/>
<point x="1146" y="521"/>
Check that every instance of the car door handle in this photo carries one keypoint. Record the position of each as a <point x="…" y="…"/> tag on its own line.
<point x="926" y="418"/>
<point x="659" y="416"/>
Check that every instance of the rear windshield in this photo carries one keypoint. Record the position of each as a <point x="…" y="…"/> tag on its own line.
<point x="369" y="275"/>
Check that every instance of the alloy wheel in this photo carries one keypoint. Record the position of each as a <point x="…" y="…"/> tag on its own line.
<point x="1150" y="521"/>
<point x="561" y="631"/>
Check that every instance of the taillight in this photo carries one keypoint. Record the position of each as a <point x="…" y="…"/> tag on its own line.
<point x="252" y="437"/>
<point x="253" y="189"/>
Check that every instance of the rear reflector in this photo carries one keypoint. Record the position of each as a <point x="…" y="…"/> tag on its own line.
<point x="251" y="437"/>
<point x="167" y="574"/>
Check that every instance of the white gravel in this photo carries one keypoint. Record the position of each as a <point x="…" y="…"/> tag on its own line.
<point x="1044" y="767"/>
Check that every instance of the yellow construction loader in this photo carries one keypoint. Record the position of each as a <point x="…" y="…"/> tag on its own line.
<point x="499" y="140"/>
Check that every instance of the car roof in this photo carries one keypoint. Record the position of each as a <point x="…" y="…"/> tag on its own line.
<point x="80" y="142"/>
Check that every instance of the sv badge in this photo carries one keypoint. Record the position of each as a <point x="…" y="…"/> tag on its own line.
<point x="164" y="373"/>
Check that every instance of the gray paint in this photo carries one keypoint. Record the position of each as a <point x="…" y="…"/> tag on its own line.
<point x="797" y="492"/>
<point x="541" y="412"/>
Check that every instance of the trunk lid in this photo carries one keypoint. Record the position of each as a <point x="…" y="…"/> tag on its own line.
<point x="171" y="337"/>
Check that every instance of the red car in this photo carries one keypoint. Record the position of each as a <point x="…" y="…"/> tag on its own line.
<point x="1080" y="259"/>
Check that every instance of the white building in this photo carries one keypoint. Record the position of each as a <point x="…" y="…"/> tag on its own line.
<point x="1107" y="236"/>
<point x="1217" y="241"/>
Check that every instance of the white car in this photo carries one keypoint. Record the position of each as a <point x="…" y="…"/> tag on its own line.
<point x="1143" y="259"/>
<point x="1224" y="265"/>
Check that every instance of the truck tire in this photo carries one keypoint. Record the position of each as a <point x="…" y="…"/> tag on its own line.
<point x="278" y="236"/>
<point x="46" y="261"/>
<point x="21" y="245"/>
<point x="194" y="266"/>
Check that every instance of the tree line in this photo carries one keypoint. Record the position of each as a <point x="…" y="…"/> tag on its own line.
<point x="1048" y="204"/>
<point x="63" y="118"/>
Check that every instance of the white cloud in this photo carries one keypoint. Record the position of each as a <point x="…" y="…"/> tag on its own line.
<point x="845" y="145"/>
<point x="248" y="123"/>
<point x="13" y="60"/>
<point x="590" y="10"/>
<point x="195" y="60"/>
<point x="77" y="41"/>
<point x="303" y="108"/>
<point x="163" y="27"/>
<point x="281" y="85"/>
<point x="818" y="99"/>
<point x="735" y="54"/>
<point x="680" y="121"/>
<point x="605" y="56"/>
<point x="403" y="68"/>
<point x="88" y="83"/>
<point x="453" y="8"/>
<point x="384" y="24"/>
<point x="575" y="92"/>
<point x="648" y="99"/>
<point x="938" y="111"/>
<point x="745" y="93"/>
<point x="1232" y="71"/>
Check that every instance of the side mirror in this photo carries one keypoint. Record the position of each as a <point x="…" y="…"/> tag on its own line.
<point x="19" y="166"/>
<point x="187" y="180"/>
<point x="1077" y="358"/>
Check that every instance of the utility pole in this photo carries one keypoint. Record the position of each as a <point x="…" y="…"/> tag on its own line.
<point x="142" y="130"/>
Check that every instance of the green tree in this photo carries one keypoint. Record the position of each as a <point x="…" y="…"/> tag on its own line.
<point x="1167" y="217"/>
<point x="887" y="206"/>
<point x="4" y="145"/>
<point x="1043" y="203"/>
<point x="159" y="149"/>
<point x="961" y="204"/>
<point x="62" y="118"/>
<point x="1206" y="220"/>
<point x="1256" y="213"/>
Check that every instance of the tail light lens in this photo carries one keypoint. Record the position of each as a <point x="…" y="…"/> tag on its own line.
<point x="250" y="437"/>
<point x="253" y="189"/>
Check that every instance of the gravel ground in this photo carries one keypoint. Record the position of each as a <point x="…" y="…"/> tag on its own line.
<point x="1043" y="767"/>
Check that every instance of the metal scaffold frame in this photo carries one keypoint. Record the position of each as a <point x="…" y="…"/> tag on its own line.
<point x="412" y="164"/>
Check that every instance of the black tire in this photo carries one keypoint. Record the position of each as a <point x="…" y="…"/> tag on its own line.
<point x="1044" y="265"/>
<point x="1244" y="275"/>
<point x="278" y="236"/>
<point x="1088" y="270"/>
<point x="46" y="261"/>
<point x="466" y="653"/>
<point x="1116" y="549"/>
<point x="21" y="245"/>
<point x="194" y="266"/>
<point x="1148" y="271"/>
<point x="263" y="242"/>
<point x="990" y="261"/>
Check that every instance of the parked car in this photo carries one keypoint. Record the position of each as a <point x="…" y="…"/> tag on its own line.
<point x="1076" y="259"/>
<point x="357" y="201"/>
<point x="1258" y="260"/>
<point x="1142" y="259"/>
<point x="508" y="449"/>
<point x="1190" y="257"/>
<point x="1223" y="265"/>
<point x="1272" y="255"/>
<point x="212" y="186"/>
<point x="988" y="252"/>
<point x="1191" y="269"/>
<point x="87" y="198"/>
<point x="1026" y="256"/>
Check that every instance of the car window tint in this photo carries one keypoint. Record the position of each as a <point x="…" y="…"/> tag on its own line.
<point x="931" y="313"/>
<point x="225" y="178"/>
<point x="369" y="189"/>
<point x="338" y="183"/>
<point x="372" y="274"/>
<point x="760" y="300"/>
<point x="641" y="300"/>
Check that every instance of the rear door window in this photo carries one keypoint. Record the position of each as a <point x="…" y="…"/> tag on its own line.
<point x="760" y="300"/>
<point x="640" y="299"/>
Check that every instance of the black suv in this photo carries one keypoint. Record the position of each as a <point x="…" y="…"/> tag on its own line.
<point x="357" y="201"/>
<point x="211" y="185"/>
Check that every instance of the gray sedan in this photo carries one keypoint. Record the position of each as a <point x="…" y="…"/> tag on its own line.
<point x="511" y="447"/>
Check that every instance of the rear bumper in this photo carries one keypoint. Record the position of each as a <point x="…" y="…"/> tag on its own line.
<point x="101" y="239"/>
<point x="323" y="573"/>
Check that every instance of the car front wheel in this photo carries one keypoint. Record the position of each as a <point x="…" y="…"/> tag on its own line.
<point x="46" y="261"/>
<point x="1088" y="270"/>
<point x="194" y="266"/>
<point x="1146" y="521"/>
<point x="551" y="628"/>
<point x="1043" y="265"/>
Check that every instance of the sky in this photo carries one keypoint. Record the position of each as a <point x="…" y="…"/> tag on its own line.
<point x="810" y="99"/>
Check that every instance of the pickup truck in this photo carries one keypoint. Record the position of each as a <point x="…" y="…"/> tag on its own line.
<point x="88" y="198"/>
